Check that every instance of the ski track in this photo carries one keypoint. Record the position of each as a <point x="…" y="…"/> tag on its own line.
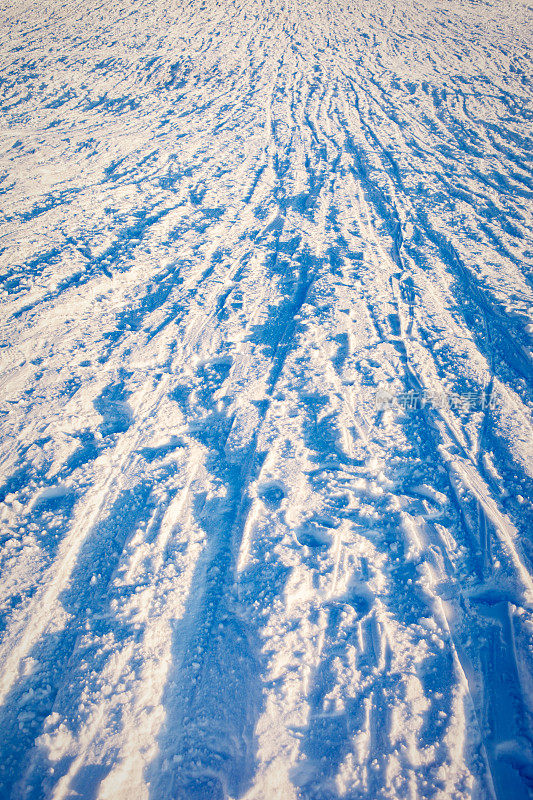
<point x="225" y="572"/>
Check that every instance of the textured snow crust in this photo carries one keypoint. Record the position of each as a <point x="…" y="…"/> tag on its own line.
<point x="227" y="229"/>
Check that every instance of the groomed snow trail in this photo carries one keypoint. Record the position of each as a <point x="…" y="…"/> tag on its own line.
<point x="227" y="229"/>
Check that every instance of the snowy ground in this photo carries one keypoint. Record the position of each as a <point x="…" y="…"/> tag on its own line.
<point x="228" y="570"/>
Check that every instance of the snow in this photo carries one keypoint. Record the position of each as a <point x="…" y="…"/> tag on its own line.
<point x="228" y="568"/>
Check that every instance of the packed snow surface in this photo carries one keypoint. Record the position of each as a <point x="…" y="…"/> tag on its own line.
<point x="266" y="400"/>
